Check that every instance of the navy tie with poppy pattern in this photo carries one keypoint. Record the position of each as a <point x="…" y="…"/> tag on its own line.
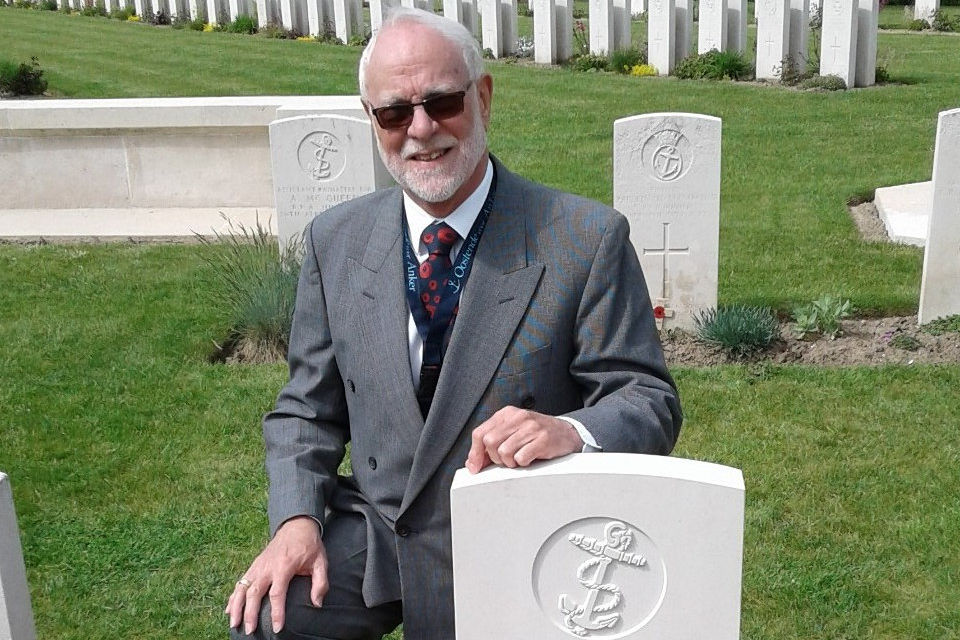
<point x="435" y="270"/>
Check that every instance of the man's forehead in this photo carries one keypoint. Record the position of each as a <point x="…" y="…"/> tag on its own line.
<point x="412" y="58"/>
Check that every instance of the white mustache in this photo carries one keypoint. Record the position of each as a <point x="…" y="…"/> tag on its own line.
<point x="412" y="147"/>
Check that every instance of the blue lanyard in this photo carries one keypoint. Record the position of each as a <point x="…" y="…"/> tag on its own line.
<point x="432" y="331"/>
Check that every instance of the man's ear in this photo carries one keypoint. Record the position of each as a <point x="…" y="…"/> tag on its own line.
<point x="485" y="95"/>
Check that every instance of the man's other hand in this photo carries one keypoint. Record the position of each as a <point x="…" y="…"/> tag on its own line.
<point x="515" y="437"/>
<point x="295" y="550"/>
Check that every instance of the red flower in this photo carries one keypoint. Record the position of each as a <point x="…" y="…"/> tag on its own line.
<point x="659" y="312"/>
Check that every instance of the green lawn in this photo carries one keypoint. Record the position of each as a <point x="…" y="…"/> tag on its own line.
<point x="137" y="467"/>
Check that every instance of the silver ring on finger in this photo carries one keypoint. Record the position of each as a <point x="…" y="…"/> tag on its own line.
<point x="243" y="582"/>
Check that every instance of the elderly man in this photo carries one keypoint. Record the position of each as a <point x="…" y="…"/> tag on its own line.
<point x="467" y="318"/>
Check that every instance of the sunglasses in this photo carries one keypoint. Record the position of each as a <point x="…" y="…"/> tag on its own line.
<point x="438" y="107"/>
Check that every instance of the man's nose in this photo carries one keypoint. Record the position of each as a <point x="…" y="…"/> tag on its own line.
<point x="422" y="126"/>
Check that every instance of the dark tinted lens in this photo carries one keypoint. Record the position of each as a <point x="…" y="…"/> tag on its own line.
<point x="445" y="106"/>
<point x="396" y="116"/>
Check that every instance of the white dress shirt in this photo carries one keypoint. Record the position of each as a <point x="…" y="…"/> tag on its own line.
<point x="461" y="220"/>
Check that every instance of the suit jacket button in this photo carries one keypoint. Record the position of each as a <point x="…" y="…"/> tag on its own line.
<point x="403" y="530"/>
<point x="372" y="462"/>
<point x="528" y="402"/>
<point x="353" y="388"/>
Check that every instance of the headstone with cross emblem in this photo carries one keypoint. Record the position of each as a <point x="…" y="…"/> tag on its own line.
<point x="940" y="287"/>
<point x="661" y="35"/>
<point x="16" y="618"/>
<point x="544" y="31"/>
<point x="320" y="161"/>
<point x="838" y="39"/>
<point x="713" y="26"/>
<point x="666" y="181"/>
<point x="924" y="9"/>
<point x="598" y="545"/>
<point x="773" y="35"/>
<point x="601" y="26"/>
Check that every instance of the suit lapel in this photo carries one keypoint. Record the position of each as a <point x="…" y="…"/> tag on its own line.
<point x="383" y="316"/>
<point x="494" y="301"/>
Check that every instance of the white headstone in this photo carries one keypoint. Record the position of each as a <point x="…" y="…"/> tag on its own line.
<point x="16" y="618"/>
<point x="737" y="25"/>
<point x="713" y="25"/>
<point x="940" y="287"/>
<point x="470" y="16"/>
<point x="924" y="9"/>
<point x="320" y="16"/>
<point x="544" y="31"/>
<point x="491" y="20"/>
<point x="601" y="26"/>
<point x="345" y="19"/>
<point x="666" y="181"/>
<point x="799" y="32"/>
<point x="773" y="34"/>
<point x="599" y="545"/>
<point x="683" y="28"/>
<point x="661" y="35"/>
<point x="814" y="5"/>
<point x="622" y="18"/>
<point x="196" y="8"/>
<point x="508" y="22"/>
<point x="868" y="18"/>
<point x="453" y="10"/>
<point x="318" y="162"/>
<point x="838" y="43"/>
<point x="563" y="17"/>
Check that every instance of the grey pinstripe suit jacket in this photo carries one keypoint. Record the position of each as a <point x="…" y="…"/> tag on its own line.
<point x="555" y="317"/>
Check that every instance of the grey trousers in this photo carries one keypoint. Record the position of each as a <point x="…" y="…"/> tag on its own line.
<point x="343" y="615"/>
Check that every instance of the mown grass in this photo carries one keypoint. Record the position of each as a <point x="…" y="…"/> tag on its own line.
<point x="137" y="467"/>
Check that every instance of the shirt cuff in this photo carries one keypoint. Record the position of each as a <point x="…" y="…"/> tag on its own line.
<point x="589" y="442"/>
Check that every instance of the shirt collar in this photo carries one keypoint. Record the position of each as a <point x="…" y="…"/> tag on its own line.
<point x="460" y="219"/>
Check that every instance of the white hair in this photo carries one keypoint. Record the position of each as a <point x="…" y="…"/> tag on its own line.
<point x="452" y="30"/>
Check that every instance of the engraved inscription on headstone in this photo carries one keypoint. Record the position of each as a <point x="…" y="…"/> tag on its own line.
<point x="318" y="162"/>
<point x="667" y="183"/>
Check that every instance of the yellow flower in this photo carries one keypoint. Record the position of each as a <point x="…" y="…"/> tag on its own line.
<point x="304" y="38"/>
<point x="133" y="19"/>
<point x="641" y="70"/>
<point x="207" y="26"/>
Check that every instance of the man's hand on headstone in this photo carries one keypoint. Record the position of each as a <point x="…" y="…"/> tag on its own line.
<point x="295" y="550"/>
<point x="515" y="437"/>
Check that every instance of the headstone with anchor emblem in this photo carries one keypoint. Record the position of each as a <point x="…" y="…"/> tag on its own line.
<point x="320" y="161"/>
<point x="598" y="546"/>
<point x="666" y="181"/>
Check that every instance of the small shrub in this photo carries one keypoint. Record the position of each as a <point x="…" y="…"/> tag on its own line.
<point x="591" y="62"/>
<point x="714" y="65"/>
<point x="96" y="9"/>
<point x="196" y="24"/>
<point x="243" y="24"/>
<point x="579" y="13"/>
<point x="905" y="342"/>
<point x="943" y="21"/>
<point x="271" y="30"/>
<point x="738" y="329"/>
<point x="623" y="60"/>
<point x="944" y="325"/>
<point x="359" y="40"/>
<point x="918" y="25"/>
<point x="643" y="70"/>
<point x="826" y="83"/>
<point x="254" y="290"/>
<point x="22" y="79"/>
<point x="23" y="4"/>
<point x="133" y="18"/>
<point x="822" y="316"/>
<point x="792" y="72"/>
<point x="524" y="47"/>
<point x="881" y="74"/>
<point x="123" y="13"/>
<point x="158" y="19"/>
<point x="525" y="9"/>
<point x="48" y="5"/>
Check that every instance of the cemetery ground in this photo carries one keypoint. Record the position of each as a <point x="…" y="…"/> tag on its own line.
<point x="137" y="466"/>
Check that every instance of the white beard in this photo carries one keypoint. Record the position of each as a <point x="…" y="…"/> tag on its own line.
<point x="439" y="183"/>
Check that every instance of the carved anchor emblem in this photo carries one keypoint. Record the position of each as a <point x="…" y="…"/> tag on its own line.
<point x="323" y="168"/>
<point x="602" y="597"/>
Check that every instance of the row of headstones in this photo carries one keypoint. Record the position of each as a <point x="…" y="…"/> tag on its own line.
<point x="666" y="182"/>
